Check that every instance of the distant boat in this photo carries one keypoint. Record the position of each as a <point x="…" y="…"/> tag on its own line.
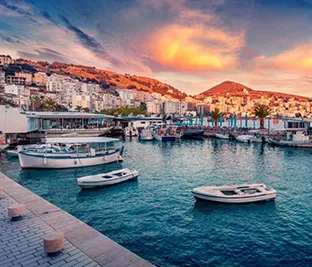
<point x="294" y="138"/>
<point x="235" y="194"/>
<point x="61" y="157"/>
<point x="146" y="135"/>
<point x="165" y="134"/>
<point x="190" y="133"/>
<point x="222" y="136"/>
<point x="107" y="179"/>
<point x="245" y="138"/>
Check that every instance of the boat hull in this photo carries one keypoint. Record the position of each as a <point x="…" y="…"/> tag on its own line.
<point x="29" y="160"/>
<point x="164" y="138"/>
<point x="290" y="143"/>
<point x="222" y="136"/>
<point x="193" y="134"/>
<point x="251" y="199"/>
<point x="100" y="184"/>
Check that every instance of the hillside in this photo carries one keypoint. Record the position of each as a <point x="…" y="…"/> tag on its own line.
<point x="107" y="79"/>
<point x="228" y="88"/>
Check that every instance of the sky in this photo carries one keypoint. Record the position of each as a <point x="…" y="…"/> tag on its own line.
<point x="190" y="44"/>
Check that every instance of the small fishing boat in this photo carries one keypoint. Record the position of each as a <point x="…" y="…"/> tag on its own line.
<point x="80" y="154"/>
<point x="192" y="133"/>
<point x="235" y="194"/>
<point x="106" y="179"/>
<point x="165" y="134"/>
<point x="244" y="138"/>
<point x="294" y="138"/>
<point x="222" y="136"/>
<point x="146" y="135"/>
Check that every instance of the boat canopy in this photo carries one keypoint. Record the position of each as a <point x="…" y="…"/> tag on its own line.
<point x="83" y="140"/>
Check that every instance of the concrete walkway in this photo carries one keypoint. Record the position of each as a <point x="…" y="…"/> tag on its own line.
<point x="21" y="242"/>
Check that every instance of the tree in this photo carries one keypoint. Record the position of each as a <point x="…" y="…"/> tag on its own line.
<point x="215" y="114"/>
<point x="78" y="108"/>
<point x="35" y="102"/>
<point x="262" y="111"/>
<point x="86" y="110"/>
<point x="50" y="104"/>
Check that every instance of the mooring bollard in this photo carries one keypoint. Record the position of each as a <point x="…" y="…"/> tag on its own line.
<point x="53" y="243"/>
<point x="16" y="211"/>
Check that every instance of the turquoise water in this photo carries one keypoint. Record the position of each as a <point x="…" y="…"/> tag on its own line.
<point x="157" y="217"/>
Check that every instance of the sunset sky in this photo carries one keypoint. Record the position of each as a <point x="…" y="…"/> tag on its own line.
<point x="190" y="44"/>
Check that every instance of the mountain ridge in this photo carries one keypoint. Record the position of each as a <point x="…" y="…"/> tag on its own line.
<point x="237" y="89"/>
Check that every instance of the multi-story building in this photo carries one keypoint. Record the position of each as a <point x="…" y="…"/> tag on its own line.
<point x="175" y="107"/>
<point x="40" y="79"/>
<point x="127" y="97"/>
<point x="6" y="60"/>
<point x="154" y="107"/>
<point x="89" y="88"/>
<point x="28" y="77"/>
<point x="14" y="89"/>
<point x="10" y="79"/>
<point x="81" y="100"/>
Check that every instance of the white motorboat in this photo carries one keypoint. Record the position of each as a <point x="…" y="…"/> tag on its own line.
<point x="222" y="136"/>
<point x="54" y="157"/>
<point x="244" y="138"/>
<point x="245" y="193"/>
<point x="146" y="135"/>
<point x="106" y="179"/>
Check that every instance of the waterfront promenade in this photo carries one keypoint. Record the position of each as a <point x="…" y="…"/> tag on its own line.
<point x="21" y="242"/>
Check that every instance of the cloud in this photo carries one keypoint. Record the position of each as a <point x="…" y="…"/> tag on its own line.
<point x="17" y="8"/>
<point x="297" y="59"/>
<point x="195" y="46"/>
<point x="11" y="40"/>
<point x="44" y="54"/>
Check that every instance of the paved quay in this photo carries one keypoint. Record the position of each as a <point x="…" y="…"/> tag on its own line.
<point x="21" y="242"/>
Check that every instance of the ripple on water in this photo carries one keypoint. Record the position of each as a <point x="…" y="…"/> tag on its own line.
<point x="157" y="218"/>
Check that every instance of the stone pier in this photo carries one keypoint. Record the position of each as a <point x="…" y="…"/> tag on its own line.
<point x="21" y="242"/>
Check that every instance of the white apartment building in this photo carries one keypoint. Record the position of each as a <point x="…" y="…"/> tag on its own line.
<point x="14" y="89"/>
<point x="81" y="100"/>
<point x="175" y="107"/>
<point x="154" y="107"/>
<point x="89" y="88"/>
<point x="127" y="96"/>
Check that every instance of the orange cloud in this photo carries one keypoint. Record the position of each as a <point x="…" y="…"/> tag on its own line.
<point x="194" y="47"/>
<point x="297" y="59"/>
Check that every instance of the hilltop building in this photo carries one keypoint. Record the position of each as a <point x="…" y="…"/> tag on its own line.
<point x="6" y="60"/>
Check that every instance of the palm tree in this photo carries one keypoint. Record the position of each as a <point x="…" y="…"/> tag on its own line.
<point x="50" y="104"/>
<point x="262" y="111"/>
<point x="215" y="114"/>
<point x="35" y="102"/>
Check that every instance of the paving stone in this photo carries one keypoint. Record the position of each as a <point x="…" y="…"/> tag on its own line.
<point x="21" y="242"/>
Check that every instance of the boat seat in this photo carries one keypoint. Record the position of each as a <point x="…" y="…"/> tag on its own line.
<point x="238" y="191"/>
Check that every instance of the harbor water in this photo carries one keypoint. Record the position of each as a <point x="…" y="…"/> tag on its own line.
<point x="157" y="218"/>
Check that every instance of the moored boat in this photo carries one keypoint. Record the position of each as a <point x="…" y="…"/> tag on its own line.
<point x="190" y="133"/>
<point x="294" y="138"/>
<point x="146" y="135"/>
<point x="244" y="138"/>
<point x="235" y="194"/>
<point x="107" y="179"/>
<point x="62" y="157"/>
<point x="222" y="136"/>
